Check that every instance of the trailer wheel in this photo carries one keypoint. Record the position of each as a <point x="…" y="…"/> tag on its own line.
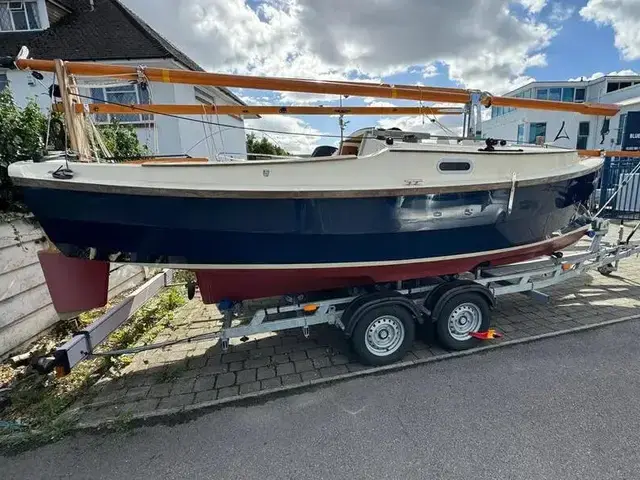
<point x="461" y="315"/>
<point x="383" y="335"/>
<point x="607" y="269"/>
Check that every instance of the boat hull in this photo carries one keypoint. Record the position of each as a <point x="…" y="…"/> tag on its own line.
<point x="248" y="248"/>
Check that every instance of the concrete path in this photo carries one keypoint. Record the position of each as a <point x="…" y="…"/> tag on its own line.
<point x="559" y="408"/>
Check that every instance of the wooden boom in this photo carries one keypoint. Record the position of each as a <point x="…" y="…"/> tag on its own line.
<point x="171" y="109"/>
<point x="405" y="92"/>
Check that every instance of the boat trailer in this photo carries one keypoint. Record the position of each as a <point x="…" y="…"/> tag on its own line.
<point x="380" y="320"/>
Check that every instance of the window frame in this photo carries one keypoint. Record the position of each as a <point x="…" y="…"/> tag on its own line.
<point x="23" y="3"/>
<point x="531" y="129"/>
<point x="143" y="120"/>
<point x="584" y="95"/>
<point x="582" y="136"/>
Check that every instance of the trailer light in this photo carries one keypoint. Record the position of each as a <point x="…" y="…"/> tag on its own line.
<point x="567" y="266"/>
<point x="312" y="308"/>
<point x="59" y="371"/>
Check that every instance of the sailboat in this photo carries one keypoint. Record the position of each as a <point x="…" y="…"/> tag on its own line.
<point x="386" y="206"/>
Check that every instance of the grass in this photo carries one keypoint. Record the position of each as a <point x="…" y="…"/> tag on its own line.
<point x="37" y="401"/>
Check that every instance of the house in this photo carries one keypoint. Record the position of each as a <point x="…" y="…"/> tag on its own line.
<point x="564" y="129"/>
<point x="107" y="31"/>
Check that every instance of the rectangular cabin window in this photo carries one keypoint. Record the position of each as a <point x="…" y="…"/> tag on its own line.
<point x="528" y="93"/>
<point x="625" y="85"/>
<point x="612" y="86"/>
<point x="583" y="135"/>
<point x="567" y="94"/>
<point x="621" y="123"/>
<point x="521" y="133"/>
<point x="555" y="94"/>
<point x="19" y="16"/>
<point x="580" y="94"/>
<point x="542" y="93"/>
<point x="124" y="95"/>
<point x="537" y="132"/>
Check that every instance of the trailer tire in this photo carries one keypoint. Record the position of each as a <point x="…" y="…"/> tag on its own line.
<point x="461" y="314"/>
<point x="383" y="335"/>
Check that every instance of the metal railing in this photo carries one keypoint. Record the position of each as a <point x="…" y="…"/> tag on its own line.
<point x="618" y="174"/>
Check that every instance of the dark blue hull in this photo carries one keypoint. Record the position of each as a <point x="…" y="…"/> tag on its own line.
<point x="279" y="232"/>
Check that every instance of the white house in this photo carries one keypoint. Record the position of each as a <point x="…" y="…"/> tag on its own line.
<point x="563" y="129"/>
<point x="107" y="31"/>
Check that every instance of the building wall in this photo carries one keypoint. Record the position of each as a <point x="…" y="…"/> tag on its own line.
<point x="564" y="125"/>
<point x="25" y="305"/>
<point x="174" y="136"/>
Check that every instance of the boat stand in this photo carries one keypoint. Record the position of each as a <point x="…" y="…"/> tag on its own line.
<point x="381" y="321"/>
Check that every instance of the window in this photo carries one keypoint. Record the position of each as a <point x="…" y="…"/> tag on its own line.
<point x="541" y="94"/>
<point x="454" y="166"/>
<point x="17" y="16"/>
<point x="126" y="94"/>
<point x="527" y="93"/>
<point x="612" y="86"/>
<point x="625" y="85"/>
<point x="521" y="133"/>
<point x="583" y="135"/>
<point x="567" y="94"/>
<point x="4" y="81"/>
<point x="580" y="92"/>
<point x="621" y="123"/>
<point x="555" y="94"/>
<point x="537" y="132"/>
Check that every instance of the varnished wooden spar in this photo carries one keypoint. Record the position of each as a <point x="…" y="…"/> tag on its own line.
<point x="104" y="108"/>
<point x="405" y="92"/>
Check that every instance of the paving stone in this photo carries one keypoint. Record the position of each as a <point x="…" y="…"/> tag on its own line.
<point x="311" y="375"/>
<point x="235" y="357"/>
<point x="212" y="369"/>
<point x="291" y="379"/>
<point x="245" y="376"/>
<point x="257" y="362"/>
<point x="285" y="349"/>
<point x="235" y="366"/>
<point x="206" y="396"/>
<point x="142" y="406"/>
<point x="136" y="393"/>
<point x="357" y="367"/>
<point x="176" y="400"/>
<point x="182" y="386"/>
<point x="339" y="360"/>
<point x="297" y="355"/>
<point x="281" y="358"/>
<point x="270" y="383"/>
<point x="317" y="352"/>
<point x="304" y="366"/>
<point x="333" y="371"/>
<point x="197" y="362"/>
<point x="266" y="372"/>
<point x="289" y="340"/>
<point x="285" y="369"/>
<point x="322" y="362"/>
<point x="262" y="352"/>
<point x="272" y="341"/>
<point x="204" y="383"/>
<point x="249" y="387"/>
<point x="160" y="390"/>
<point x="225" y="380"/>
<point x="227" y="392"/>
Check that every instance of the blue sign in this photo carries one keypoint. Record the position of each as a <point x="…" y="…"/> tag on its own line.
<point x="631" y="136"/>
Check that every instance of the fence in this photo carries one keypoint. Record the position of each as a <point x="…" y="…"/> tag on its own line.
<point x="616" y="172"/>
<point x="25" y="305"/>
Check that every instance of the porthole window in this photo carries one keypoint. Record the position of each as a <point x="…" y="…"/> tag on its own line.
<point x="454" y="166"/>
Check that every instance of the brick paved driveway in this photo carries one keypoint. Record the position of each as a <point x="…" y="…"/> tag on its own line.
<point x="189" y="374"/>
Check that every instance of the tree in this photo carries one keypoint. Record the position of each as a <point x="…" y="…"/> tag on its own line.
<point x="263" y="146"/>
<point x="122" y="141"/>
<point x="23" y="132"/>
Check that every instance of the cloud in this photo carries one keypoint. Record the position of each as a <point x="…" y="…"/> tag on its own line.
<point x="533" y="6"/>
<point x="561" y="12"/>
<point x="444" y="124"/>
<point x="484" y="44"/>
<point x="294" y="144"/>
<point x="429" y="70"/>
<point x="621" y="15"/>
<point x="620" y="73"/>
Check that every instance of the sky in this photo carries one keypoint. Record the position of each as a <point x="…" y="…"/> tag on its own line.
<point x="491" y="45"/>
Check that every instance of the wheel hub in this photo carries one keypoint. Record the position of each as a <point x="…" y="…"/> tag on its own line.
<point x="463" y="320"/>
<point x="384" y="335"/>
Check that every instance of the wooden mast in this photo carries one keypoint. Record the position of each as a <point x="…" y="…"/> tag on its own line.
<point x="405" y="92"/>
<point x="107" y="108"/>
